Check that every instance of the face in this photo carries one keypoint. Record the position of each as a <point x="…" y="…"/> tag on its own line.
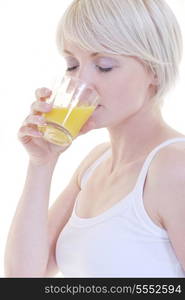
<point x="122" y="82"/>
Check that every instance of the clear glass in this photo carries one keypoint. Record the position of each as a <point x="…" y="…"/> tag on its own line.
<point x="74" y="101"/>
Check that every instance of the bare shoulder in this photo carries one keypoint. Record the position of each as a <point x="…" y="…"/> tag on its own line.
<point x="91" y="157"/>
<point x="169" y="163"/>
<point x="167" y="180"/>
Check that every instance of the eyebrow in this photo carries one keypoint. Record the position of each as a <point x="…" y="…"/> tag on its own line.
<point x="68" y="52"/>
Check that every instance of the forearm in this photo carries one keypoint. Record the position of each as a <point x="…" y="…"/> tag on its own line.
<point x="27" y="246"/>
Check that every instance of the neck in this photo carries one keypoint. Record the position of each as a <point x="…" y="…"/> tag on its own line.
<point x="135" y="137"/>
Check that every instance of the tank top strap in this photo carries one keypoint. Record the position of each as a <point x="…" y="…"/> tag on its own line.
<point x="92" y="167"/>
<point x="143" y="173"/>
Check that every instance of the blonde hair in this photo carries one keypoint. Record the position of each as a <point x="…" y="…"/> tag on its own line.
<point x="146" y="29"/>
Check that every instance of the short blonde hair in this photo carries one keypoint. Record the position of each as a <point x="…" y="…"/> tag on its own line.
<point x="146" y="29"/>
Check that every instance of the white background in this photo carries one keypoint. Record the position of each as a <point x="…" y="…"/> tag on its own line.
<point x="29" y="59"/>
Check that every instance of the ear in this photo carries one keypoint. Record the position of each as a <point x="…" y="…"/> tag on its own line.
<point x="151" y="72"/>
<point x="154" y="79"/>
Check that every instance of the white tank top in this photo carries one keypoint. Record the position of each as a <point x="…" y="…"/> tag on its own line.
<point x="122" y="241"/>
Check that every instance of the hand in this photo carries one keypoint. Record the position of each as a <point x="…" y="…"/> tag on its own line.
<point x="40" y="151"/>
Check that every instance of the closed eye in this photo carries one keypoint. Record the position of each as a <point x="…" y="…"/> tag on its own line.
<point x="70" y="69"/>
<point x="104" y="69"/>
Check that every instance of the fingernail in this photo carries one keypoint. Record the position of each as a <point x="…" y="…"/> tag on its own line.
<point x="48" y="106"/>
<point x="41" y="118"/>
<point x="42" y="122"/>
<point x="45" y="92"/>
<point x="38" y="133"/>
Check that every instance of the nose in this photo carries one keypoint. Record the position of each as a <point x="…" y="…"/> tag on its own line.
<point x="86" y="75"/>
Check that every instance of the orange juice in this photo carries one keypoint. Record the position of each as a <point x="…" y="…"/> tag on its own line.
<point x="73" y="122"/>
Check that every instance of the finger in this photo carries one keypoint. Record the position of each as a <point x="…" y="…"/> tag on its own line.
<point x="43" y="93"/>
<point x="39" y="106"/>
<point x="34" y="120"/>
<point x="28" y="131"/>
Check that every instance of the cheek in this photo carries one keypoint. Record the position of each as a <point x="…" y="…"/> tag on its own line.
<point x="118" y="95"/>
<point x="126" y="89"/>
<point x="128" y="92"/>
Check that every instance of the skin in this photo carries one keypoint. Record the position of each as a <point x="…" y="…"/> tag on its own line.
<point x="132" y="120"/>
<point x="135" y="127"/>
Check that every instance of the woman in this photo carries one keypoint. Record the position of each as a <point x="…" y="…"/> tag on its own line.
<point x="123" y="212"/>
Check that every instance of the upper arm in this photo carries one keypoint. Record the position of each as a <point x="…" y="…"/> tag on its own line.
<point x="61" y="210"/>
<point x="171" y="200"/>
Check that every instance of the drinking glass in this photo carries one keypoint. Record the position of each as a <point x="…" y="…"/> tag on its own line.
<point x="73" y="101"/>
